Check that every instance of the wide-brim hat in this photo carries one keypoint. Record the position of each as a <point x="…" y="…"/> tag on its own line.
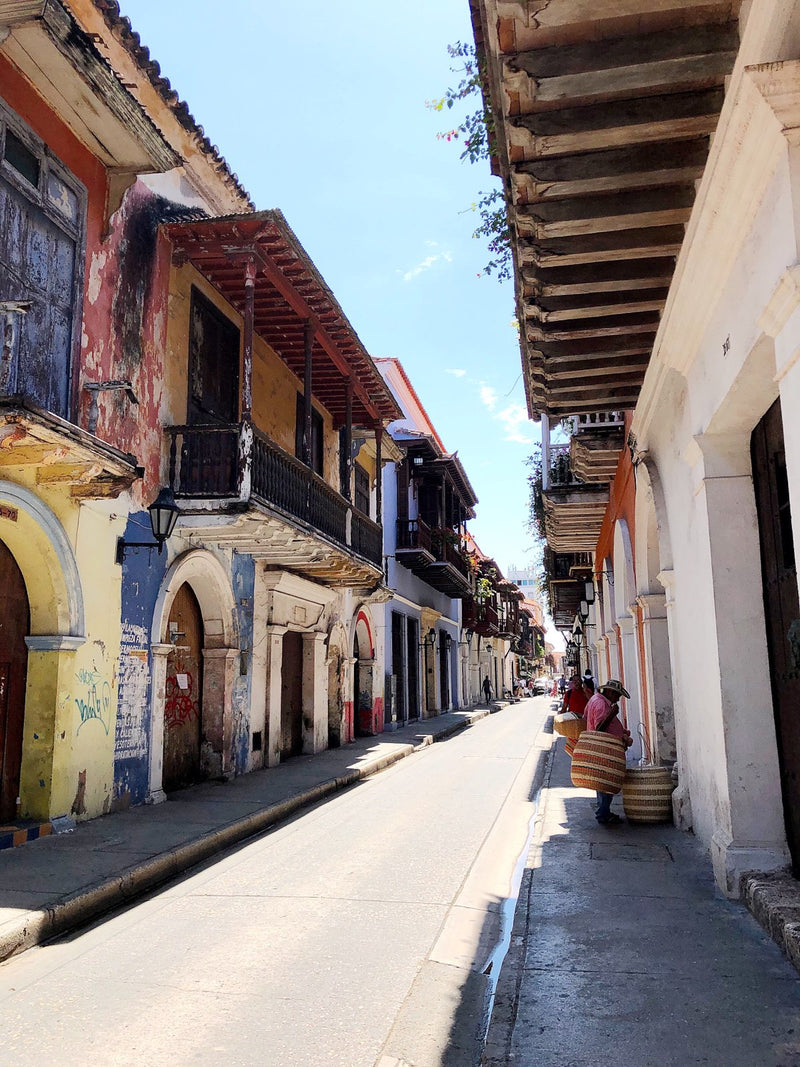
<point x="616" y="687"/>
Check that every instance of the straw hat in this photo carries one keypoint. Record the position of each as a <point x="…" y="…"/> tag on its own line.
<point x="616" y="687"/>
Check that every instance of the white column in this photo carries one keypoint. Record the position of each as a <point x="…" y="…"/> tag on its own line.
<point x="315" y="694"/>
<point x="630" y="673"/>
<point x="158" y="684"/>
<point x="274" y="678"/>
<point x="658" y="675"/>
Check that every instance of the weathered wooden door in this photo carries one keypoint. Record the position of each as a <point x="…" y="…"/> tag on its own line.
<point x="183" y="704"/>
<point x="412" y="644"/>
<point x="399" y="666"/>
<point x="40" y="217"/>
<point x="782" y="609"/>
<point x="292" y="695"/>
<point x="14" y="626"/>
<point x="444" y="671"/>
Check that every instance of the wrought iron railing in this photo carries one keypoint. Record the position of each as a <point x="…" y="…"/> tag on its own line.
<point x="241" y="463"/>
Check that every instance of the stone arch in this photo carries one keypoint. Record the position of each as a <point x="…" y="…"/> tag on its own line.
<point x="652" y="627"/>
<point x="367" y="712"/>
<point x="211" y="585"/>
<point x="337" y="661"/>
<point x="624" y="581"/>
<point x="43" y="553"/>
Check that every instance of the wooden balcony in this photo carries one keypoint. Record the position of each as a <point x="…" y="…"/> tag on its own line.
<point x="429" y="554"/>
<point x="480" y="617"/>
<point x="277" y="508"/>
<point x="573" y="509"/>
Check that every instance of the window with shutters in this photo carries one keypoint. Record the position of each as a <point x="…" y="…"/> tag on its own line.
<point x="42" y="208"/>
<point x="361" y="489"/>
<point x="316" y="434"/>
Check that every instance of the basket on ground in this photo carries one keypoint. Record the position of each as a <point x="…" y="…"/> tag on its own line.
<point x="647" y="794"/>
<point x="598" y="762"/>
<point x="569" y="724"/>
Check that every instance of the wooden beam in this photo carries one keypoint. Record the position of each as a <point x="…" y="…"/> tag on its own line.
<point x="603" y="309"/>
<point x="677" y="42"/>
<point x="629" y="122"/>
<point x="687" y="73"/>
<point x="599" y="247"/>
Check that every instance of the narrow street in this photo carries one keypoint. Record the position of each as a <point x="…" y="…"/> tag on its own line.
<point x="356" y="933"/>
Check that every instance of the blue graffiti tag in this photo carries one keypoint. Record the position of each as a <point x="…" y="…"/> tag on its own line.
<point x="93" y="704"/>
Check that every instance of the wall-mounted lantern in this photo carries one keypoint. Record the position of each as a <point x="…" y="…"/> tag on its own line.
<point x="163" y="516"/>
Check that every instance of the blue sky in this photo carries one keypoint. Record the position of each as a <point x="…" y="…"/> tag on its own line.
<point x="320" y="110"/>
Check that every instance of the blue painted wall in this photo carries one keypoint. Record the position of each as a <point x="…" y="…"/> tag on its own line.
<point x="142" y="574"/>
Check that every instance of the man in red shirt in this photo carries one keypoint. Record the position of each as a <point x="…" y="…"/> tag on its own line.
<point x="602" y="714"/>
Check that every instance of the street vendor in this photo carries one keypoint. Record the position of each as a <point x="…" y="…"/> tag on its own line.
<point x="602" y="713"/>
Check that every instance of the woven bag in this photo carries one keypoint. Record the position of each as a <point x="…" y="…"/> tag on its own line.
<point x="598" y="762"/>
<point x="569" y="745"/>
<point x="647" y="794"/>
<point x="569" y="724"/>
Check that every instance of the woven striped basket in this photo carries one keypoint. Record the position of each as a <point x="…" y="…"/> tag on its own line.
<point x="647" y="794"/>
<point x="569" y="745"/>
<point x="569" y="724"/>
<point x="598" y="762"/>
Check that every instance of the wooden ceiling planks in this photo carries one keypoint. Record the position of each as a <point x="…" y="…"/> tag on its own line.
<point x="603" y="112"/>
<point x="288" y="293"/>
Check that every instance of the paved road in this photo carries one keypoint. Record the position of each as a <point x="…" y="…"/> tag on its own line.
<point x="357" y="933"/>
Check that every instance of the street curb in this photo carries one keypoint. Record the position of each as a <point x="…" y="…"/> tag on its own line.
<point x="33" y="928"/>
<point x="506" y="996"/>
<point x="773" y="898"/>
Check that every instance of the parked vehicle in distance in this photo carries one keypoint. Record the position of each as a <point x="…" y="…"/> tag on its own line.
<point x="542" y="685"/>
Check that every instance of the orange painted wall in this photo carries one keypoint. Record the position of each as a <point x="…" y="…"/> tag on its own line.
<point x="621" y="504"/>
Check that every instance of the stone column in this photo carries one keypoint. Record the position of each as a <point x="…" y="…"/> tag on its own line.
<point x="159" y="656"/>
<point x="46" y="785"/>
<point x="315" y="693"/>
<point x="740" y="746"/>
<point x="274" y="678"/>
<point x="220" y="666"/>
<point x="630" y="679"/>
<point x="658" y="675"/>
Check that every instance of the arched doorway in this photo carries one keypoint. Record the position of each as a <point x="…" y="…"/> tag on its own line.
<point x="14" y="627"/>
<point x="183" y="703"/>
<point x="357" y="731"/>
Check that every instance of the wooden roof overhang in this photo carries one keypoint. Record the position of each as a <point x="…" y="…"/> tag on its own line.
<point x="289" y="294"/>
<point x="603" y="111"/>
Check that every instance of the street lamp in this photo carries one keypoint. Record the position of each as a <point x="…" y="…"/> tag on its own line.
<point x="588" y="591"/>
<point x="163" y="516"/>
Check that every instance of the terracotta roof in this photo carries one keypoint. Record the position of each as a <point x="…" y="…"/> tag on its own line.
<point x="120" y="26"/>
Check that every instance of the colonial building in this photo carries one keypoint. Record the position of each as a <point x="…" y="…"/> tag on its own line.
<point x="428" y="500"/>
<point x="162" y="340"/>
<point x="657" y="287"/>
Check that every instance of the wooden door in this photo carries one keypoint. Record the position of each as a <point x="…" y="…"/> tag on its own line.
<point x="183" y="706"/>
<point x="399" y="666"/>
<point x="444" y="671"/>
<point x="412" y="689"/>
<point x="292" y="695"/>
<point x="782" y="609"/>
<point x="14" y="627"/>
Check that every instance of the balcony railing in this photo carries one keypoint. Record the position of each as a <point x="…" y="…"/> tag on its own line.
<point x="242" y="464"/>
<point x="479" y="616"/>
<point x="597" y="420"/>
<point x="414" y="534"/>
<point x="560" y="470"/>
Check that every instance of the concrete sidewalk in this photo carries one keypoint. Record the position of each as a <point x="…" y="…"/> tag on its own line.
<point x="623" y="954"/>
<point x="55" y="883"/>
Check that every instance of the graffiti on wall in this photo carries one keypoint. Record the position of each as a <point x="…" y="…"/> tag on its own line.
<point x="94" y="699"/>
<point x="130" y="739"/>
<point x="180" y="703"/>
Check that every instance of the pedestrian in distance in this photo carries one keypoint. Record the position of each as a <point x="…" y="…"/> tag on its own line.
<point x="574" y="698"/>
<point x="602" y="714"/>
<point x="487" y="690"/>
<point x="562" y="684"/>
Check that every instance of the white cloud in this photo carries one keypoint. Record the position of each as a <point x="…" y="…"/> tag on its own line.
<point x="456" y="373"/>
<point x="427" y="262"/>
<point x="488" y="396"/>
<point x="514" y="418"/>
